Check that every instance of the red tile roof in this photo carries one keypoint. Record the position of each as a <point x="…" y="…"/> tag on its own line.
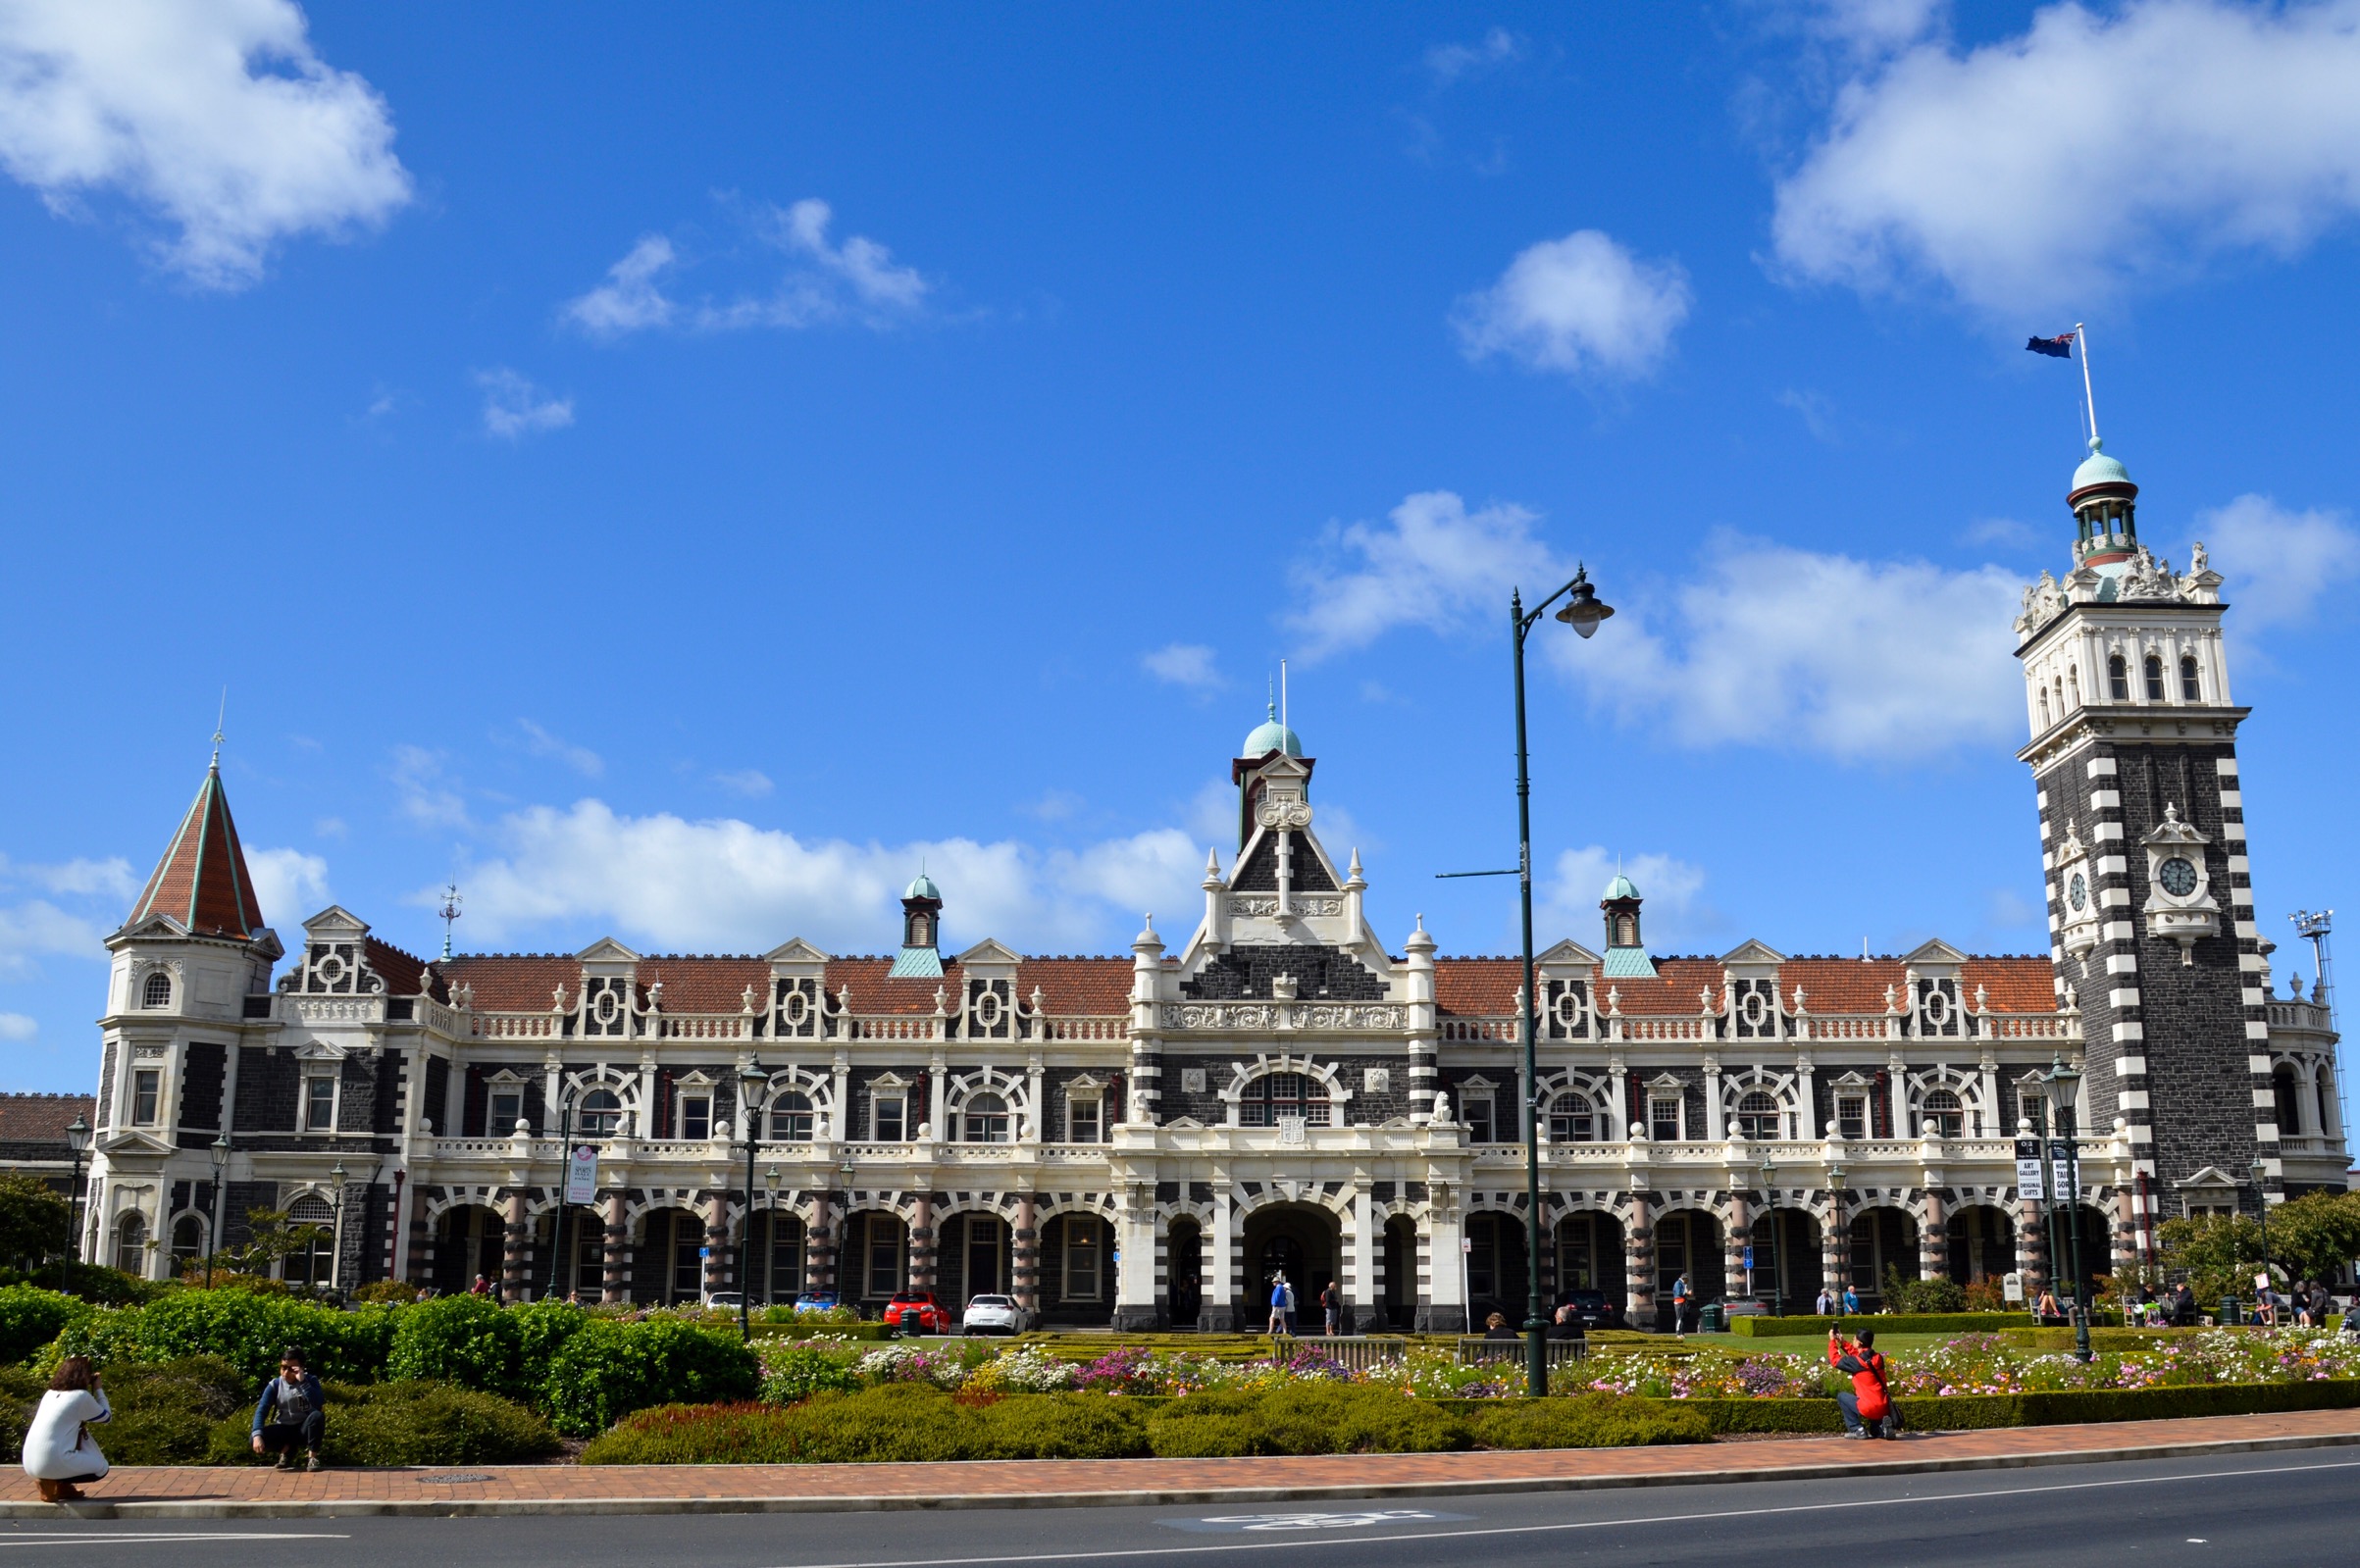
<point x="202" y="881"/>
<point x="42" y="1118"/>
<point x="401" y="972"/>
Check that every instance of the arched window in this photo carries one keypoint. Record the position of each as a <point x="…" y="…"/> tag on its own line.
<point x="790" y="1118"/>
<point x="2044" y="707"/>
<point x="1277" y="1094"/>
<point x="1758" y="1116"/>
<point x="1572" y="1119"/>
<point x="2289" y="1099"/>
<point x="130" y="1242"/>
<point x="1626" y="931"/>
<point x="2118" y="678"/>
<point x="602" y="1114"/>
<point x="311" y="1219"/>
<point x="1943" y="1115"/>
<point x="157" y="992"/>
<point x="188" y="1240"/>
<point x="2155" y="685"/>
<point x="2191" y="689"/>
<point x="985" y="1120"/>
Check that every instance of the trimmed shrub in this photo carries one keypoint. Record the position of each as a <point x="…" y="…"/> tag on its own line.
<point x="1064" y="1426"/>
<point x="90" y="1282"/>
<point x="408" y="1424"/>
<point x="466" y="1339"/>
<point x="1303" y="1418"/>
<point x="606" y="1370"/>
<point x="1587" y="1421"/>
<point x="1762" y="1327"/>
<point x="909" y="1422"/>
<point x="165" y="1411"/>
<point x="542" y="1329"/>
<point x="246" y="1330"/>
<point x="32" y="1317"/>
<point x="696" y="1434"/>
<point x="800" y="1371"/>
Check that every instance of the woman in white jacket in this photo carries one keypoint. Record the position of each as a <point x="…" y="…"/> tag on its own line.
<point x="59" y="1450"/>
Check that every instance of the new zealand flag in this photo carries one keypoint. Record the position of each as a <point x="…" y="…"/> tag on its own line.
<point x="2059" y="347"/>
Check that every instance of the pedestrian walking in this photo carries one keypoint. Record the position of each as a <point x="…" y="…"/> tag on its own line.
<point x="1683" y="1304"/>
<point x="59" y="1452"/>
<point x="1851" y="1301"/>
<point x="1278" y="1302"/>
<point x="1824" y="1305"/>
<point x="1331" y="1308"/>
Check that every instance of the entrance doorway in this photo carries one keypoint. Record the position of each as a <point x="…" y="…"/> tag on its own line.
<point x="1301" y="1238"/>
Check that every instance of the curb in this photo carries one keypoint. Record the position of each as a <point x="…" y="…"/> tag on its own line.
<point x="1146" y="1497"/>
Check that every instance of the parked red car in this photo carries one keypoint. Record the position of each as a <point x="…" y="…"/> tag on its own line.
<point x="917" y="1312"/>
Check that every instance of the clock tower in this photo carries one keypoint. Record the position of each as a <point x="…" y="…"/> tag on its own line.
<point x="2134" y="751"/>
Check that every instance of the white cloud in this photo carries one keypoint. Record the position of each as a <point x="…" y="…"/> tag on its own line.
<point x="859" y="261"/>
<point x="1886" y="661"/>
<point x="290" y="885"/>
<point x="1873" y="27"/>
<point x="1672" y="916"/>
<point x="514" y="408"/>
<point x="1452" y="63"/>
<point x="112" y="878"/>
<point x="39" y="928"/>
<point x="726" y="885"/>
<point x="1438" y="566"/>
<point x="1183" y="664"/>
<point x="2278" y="563"/>
<point x="629" y="300"/>
<point x="430" y="796"/>
<point x="2054" y="167"/>
<point x="541" y="743"/>
<point x="751" y="782"/>
<point x="1815" y="411"/>
<point x="16" y="1026"/>
<point x="217" y="116"/>
<point x="1583" y="305"/>
<point x="2005" y="531"/>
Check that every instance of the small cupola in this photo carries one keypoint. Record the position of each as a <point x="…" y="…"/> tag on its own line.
<point x="1626" y="946"/>
<point x="2105" y="507"/>
<point x="921" y="930"/>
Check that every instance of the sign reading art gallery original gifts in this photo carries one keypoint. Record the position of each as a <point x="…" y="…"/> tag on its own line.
<point x="581" y="1174"/>
<point x="2029" y="1185"/>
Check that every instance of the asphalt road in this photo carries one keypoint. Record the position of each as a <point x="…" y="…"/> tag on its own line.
<point x="2293" y="1508"/>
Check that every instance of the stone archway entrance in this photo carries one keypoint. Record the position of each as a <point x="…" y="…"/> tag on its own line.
<point x="1303" y="1239"/>
<point x="1184" y="1259"/>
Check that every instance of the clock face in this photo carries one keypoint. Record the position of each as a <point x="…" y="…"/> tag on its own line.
<point x="2077" y="891"/>
<point x="2178" y="877"/>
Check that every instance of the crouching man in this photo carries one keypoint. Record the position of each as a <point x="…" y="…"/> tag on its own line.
<point x="291" y="1413"/>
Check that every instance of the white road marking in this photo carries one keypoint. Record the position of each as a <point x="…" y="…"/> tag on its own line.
<point x="1298" y="1542"/>
<point x="146" y="1537"/>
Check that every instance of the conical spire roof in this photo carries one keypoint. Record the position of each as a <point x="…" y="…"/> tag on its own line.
<point x="202" y="881"/>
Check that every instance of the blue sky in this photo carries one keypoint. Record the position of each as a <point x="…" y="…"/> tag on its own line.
<point x="672" y="477"/>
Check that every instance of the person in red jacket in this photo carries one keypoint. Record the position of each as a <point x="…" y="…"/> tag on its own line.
<point x="1868" y="1404"/>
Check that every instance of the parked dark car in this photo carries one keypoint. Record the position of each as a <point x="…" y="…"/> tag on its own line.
<point x="1593" y="1309"/>
<point x="917" y="1312"/>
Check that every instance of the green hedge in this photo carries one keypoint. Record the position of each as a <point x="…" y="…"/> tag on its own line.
<point x="907" y="1422"/>
<point x="608" y="1370"/>
<point x="30" y="1317"/>
<point x="389" y="1423"/>
<point x="1966" y="1412"/>
<point x="1759" y="1328"/>
<point x="244" y="1328"/>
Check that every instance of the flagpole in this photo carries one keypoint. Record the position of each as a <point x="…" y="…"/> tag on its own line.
<point x="2087" y="396"/>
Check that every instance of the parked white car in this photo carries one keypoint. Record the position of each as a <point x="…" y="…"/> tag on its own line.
<point x="993" y="1314"/>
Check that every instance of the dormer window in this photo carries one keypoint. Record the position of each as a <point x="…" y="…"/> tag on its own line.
<point x="2155" y="685"/>
<point x="2191" y="689"/>
<point x="2118" y="678"/>
<point x="157" y="991"/>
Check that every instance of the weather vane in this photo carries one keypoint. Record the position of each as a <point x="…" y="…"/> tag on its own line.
<point x="450" y="913"/>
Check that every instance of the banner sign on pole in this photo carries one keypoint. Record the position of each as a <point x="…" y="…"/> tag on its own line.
<point x="2061" y="1181"/>
<point x="581" y="1174"/>
<point x="2028" y="1183"/>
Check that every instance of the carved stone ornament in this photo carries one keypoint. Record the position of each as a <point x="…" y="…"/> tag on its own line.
<point x="2042" y="602"/>
<point x="1280" y="811"/>
<point x="1274" y="1016"/>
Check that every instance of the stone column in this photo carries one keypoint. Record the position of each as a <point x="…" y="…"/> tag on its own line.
<point x="1221" y="1268"/>
<point x="1365" y="1255"/>
<point x="2031" y="1250"/>
<point x="1736" y="1234"/>
<point x="516" y="1249"/>
<point x="1136" y="1303"/>
<point x="1024" y="1253"/>
<point x="1933" y="1239"/>
<point x="1835" y="1244"/>
<point x="716" y="1241"/>
<point x="1639" y="1264"/>
<point x="921" y="1244"/>
<point x="614" y="1284"/>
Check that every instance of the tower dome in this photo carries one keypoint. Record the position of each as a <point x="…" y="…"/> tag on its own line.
<point x="922" y="887"/>
<point x="2099" y="468"/>
<point x="1270" y="735"/>
<point x="1622" y="888"/>
<point x="2105" y="507"/>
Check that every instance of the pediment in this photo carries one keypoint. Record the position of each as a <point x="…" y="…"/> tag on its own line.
<point x="2211" y="1178"/>
<point x="889" y="1081"/>
<point x="796" y="951"/>
<point x="1934" y="951"/>
<point x="1666" y="1080"/>
<point x="334" y="923"/>
<point x="606" y="951"/>
<point x="2172" y="830"/>
<point x="1568" y="952"/>
<point x="155" y="926"/>
<point x="135" y="1141"/>
<point x="1188" y="1121"/>
<point x="1751" y="951"/>
<point x="319" y="1051"/>
<point x="1852" y="1080"/>
<point x="991" y="950"/>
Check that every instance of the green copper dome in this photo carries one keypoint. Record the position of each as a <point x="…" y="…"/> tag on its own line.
<point x="2099" y="468"/>
<point x="1271" y="736"/>
<point x="1622" y="888"/>
<point x="923" y="887"/>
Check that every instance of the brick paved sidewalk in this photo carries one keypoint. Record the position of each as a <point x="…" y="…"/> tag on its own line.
<point x="1066" y="1483"/>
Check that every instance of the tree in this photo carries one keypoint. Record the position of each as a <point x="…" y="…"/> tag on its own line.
<point x="270" y="1236"/>
<point x="2316" y="1235"/>
<point x="2218" y="1254"/>
<point x="36" y="1222"/>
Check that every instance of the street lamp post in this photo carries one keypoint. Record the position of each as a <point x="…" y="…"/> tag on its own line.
<point x="753" y="1094"/>
<point x="1582" y="612"/>
<point x="770" y="1245"/>
<point x="2261" y="1202"/>
<point x="335" y="1256"/>
<point x="843" y="1234"/>
<point x="2064" y="1084"/>
<point x="220" y="1151"/>
<point x="1769" y="1229"/>
<point x="78" y="1139"/>
<point x="1835" y="1210"/>
<point x="565" y="1175"/>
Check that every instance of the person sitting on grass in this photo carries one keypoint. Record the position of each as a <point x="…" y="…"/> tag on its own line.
<point x="291" y="1415"/>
